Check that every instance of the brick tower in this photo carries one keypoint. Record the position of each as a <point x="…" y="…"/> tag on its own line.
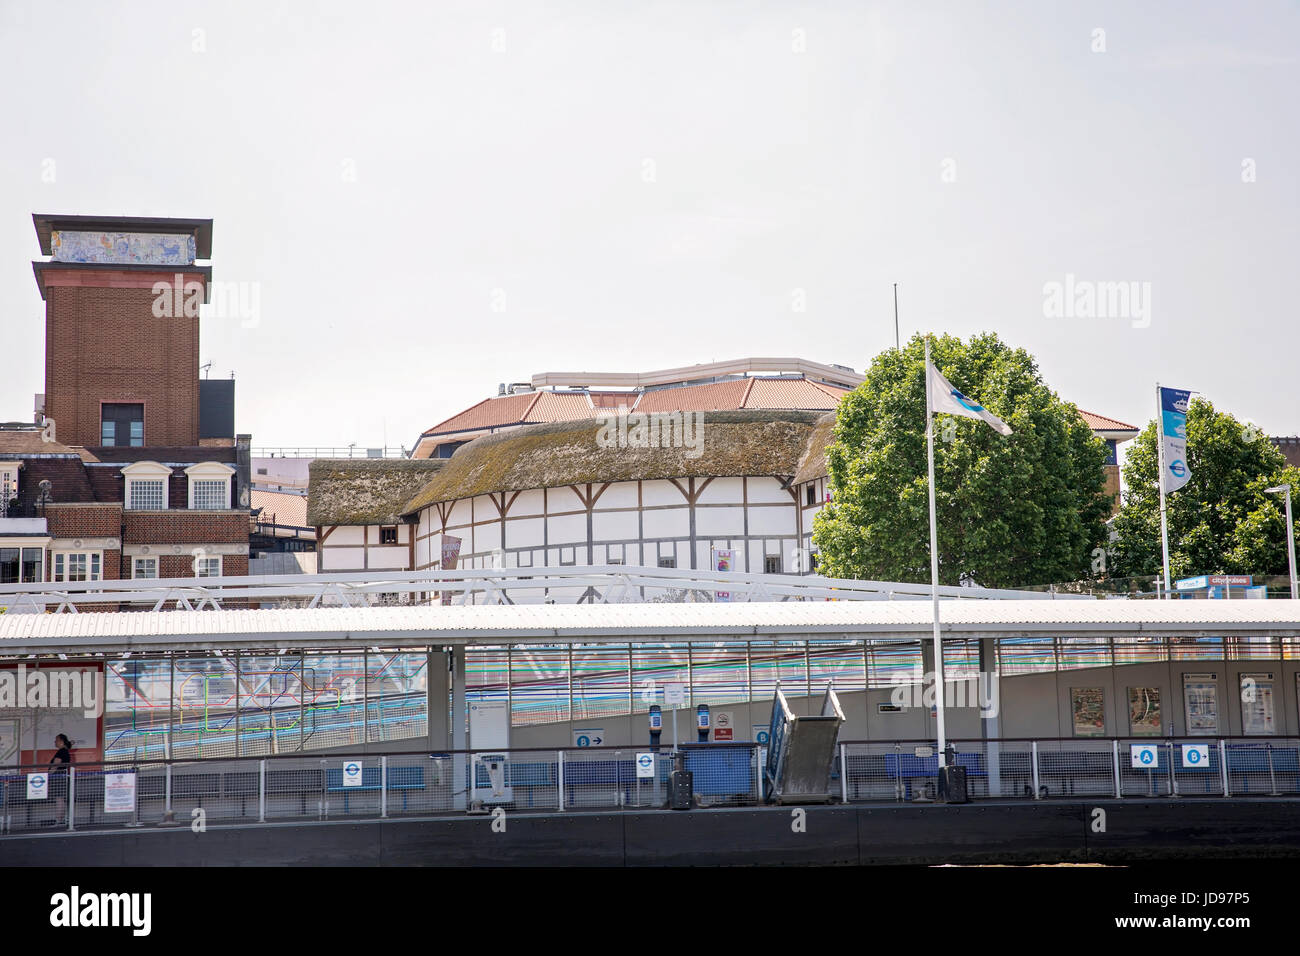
<point x="121" y="327"/>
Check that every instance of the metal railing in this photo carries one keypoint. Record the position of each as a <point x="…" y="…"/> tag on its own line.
<point x="198" y="793"/>
<point x="298" y="787"/>
<point x="1048" y="768"/>
<point x="602" y="584"/>
<point x="329" y="451"/>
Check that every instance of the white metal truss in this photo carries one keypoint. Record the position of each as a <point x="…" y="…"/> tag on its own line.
<point x="601" y="584"/>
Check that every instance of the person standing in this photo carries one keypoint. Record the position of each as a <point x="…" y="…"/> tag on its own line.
<point x="59" y="764"/>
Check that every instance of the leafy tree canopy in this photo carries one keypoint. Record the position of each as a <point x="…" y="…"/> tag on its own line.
<point x="1024" y="509"/>
<point x="1221" y="521"/>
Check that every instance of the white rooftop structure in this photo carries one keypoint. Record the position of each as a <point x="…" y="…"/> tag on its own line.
<point x="418" y="626"/>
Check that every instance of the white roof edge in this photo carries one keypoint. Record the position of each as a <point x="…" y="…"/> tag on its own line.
<point x="669" y="376"/>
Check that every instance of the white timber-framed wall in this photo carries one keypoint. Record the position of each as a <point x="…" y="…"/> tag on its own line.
<point x="362" y="548"/>
<point x="640" y="522"/>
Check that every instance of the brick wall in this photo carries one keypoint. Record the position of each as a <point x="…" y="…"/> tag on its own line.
<point x="84" y="521"/>
<point x="106" y="345"/>
<point x="186" y="527"/>
<point x="1112" y="486"/>
<point x="182" y="565"/>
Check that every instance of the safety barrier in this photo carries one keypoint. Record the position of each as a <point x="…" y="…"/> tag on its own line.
<point x="1045" y="768"/>
<point x="250" y="790"/>
<point x="264" y="789"/>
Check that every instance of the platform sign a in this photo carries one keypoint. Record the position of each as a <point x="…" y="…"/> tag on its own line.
<point x="352" y="775"/>
<point x="645" y="766"/>
<point x="1143" y="756"/>
<point x="1196" y="756"/>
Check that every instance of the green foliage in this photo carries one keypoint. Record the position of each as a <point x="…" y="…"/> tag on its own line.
<point x="1221" y="521"/>
<point x="1024" y="509"/>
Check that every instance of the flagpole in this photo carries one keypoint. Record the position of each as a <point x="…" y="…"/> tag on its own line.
<point x="934" y="563"/>
<point x="1160" y="445"/>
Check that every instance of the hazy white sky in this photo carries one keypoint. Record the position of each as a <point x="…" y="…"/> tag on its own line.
<point x="431" y="198"/>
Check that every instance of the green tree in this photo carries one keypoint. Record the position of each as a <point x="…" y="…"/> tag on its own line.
<point x="1024" y="509"/>
<point x="1221" y="521"/>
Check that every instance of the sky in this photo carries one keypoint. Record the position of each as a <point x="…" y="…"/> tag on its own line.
<point x="425" y="200"/>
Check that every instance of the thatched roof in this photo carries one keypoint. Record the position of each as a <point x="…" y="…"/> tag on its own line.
<point x="364" y="490"/>
<point x="734" y="443"/>
<point x="813" y="463"/>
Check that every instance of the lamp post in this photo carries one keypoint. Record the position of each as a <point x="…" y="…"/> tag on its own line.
<point x="1290" y="538"/>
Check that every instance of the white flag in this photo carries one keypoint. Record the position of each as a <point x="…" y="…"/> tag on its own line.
<point x="945" y="398"/>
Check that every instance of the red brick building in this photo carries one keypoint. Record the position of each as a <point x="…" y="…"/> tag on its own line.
<point x="132" y="467"/>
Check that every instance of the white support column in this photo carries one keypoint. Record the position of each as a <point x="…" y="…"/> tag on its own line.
<point x="261" y="791"/>
<point x="1223" y="765"/>
<point x="1033" y="749"/>
<point x="383" y="786"/>
<point x="990" y="681"/>
<point x="1115" y="767"/>
<point x="559" y="776"/>
<point x="844" y="773"/>
<point x="459" y="737"/>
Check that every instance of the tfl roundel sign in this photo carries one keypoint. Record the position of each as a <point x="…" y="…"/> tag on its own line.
<point x="645" y="765"/>
<point x="352" y="773"/>
<point x="38" y="786"/>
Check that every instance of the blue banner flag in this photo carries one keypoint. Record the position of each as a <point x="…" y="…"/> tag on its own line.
<point x="1173" y="424"/>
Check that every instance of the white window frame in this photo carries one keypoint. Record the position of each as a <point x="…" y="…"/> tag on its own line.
<point x="61" y="565"/>
<point x="146" y="471"/>
<point x="209" y="471"/>
<point x="198" y="571"/>
<point x="135" y="566"/>
<point x="8" y="484"/>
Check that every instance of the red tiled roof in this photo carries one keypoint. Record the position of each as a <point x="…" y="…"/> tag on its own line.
<point x="753" y="392"/>
<point x="793" y="393"/>
<point x="560" y="407"/>
<point x="1100" y="423"/>
<point x="280" y="507"/>
<point x="502" y="410"/>
<point x="695" y="398"/>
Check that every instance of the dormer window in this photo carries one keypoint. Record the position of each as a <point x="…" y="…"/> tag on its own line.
<point x="146" y="486"/>
<point x="209" y="485"/>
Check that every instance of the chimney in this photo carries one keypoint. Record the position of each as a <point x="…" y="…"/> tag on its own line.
<point x="39" y="406"/>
